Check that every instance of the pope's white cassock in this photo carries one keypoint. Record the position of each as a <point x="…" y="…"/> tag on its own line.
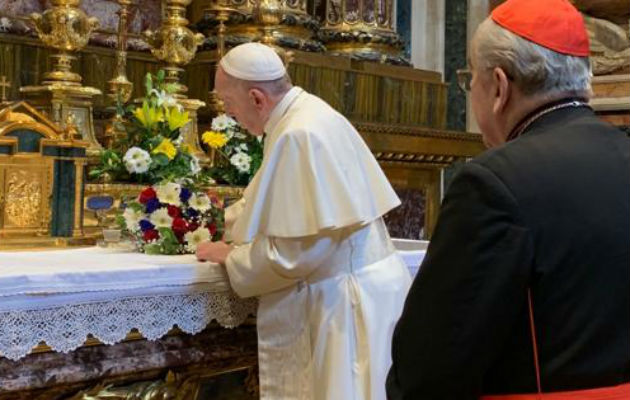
<point x="312" y="244"/>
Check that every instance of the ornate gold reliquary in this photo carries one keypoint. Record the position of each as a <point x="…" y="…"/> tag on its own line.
<point x="41" y="178"/>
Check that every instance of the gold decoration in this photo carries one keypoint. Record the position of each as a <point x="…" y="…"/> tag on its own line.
<point x="221" y="10"/>
<point x="120" y="89"/>
<point x="27" y="181"/>
<point x="176" y="45"/>
<point x="287" y="23"/>
<point x="119" y="86"/>
<point x="66" y="28"/>
<point x="23" y="198"/>
<point x="361" y="29"/>
<point x="4" y="85"/>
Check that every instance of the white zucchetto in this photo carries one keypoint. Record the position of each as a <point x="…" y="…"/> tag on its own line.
<point x="253" y="62"/>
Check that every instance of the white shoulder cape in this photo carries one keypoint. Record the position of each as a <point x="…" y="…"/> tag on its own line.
<point x="317" y="173"/>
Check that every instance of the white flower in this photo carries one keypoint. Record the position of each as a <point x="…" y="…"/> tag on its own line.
<point x="241" y="161"/>
<point x="165" y="99"/>
<point x="241" y="148"/>
<point x="137" y="160"/>
<point x="195" y="168"/>
<point x="169" y="193"/>
<point x="240" y="135"/>
<point x="132" y="219"/>
<point x="223" y="122"/>
<point x="200" y="202"/>
<point x="193" y="239"/>
<point x="161" y="219"/>
<point x="5" y="24"/>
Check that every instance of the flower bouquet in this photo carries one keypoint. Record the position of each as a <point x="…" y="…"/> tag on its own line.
<point x="171" y="219"/>
<point x="153" y="150"/>
<point x="242" y="153"/>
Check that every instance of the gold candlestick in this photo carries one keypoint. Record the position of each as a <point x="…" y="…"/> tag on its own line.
<point x="221" y="9"/>
<point x="176" y="45"/>
<point x="67" y="29"/>
<point x="120" y="89"/>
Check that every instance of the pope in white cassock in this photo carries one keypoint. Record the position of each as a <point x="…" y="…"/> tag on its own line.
<point x="309" y="239"/>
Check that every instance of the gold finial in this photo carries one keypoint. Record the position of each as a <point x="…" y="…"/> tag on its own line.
<point x="4" y="85"/>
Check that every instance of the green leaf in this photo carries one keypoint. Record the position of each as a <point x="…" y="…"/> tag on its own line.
<point x="120" y="221"/>
<point x="161" y="75"/>
<point x="134" y="205"/>
<point x="153" y="249"/>
<point x="160" y="159"/>
<point x="148" y="82"/>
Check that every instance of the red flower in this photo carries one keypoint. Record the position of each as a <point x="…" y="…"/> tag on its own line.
<point x="173" y="211"/>
<point x="179" y="226"/>
<point x="212" y="228"/>
<point x="193" y="226"/>
<point x="146" y="195"/>
<point x="150" y="234"/>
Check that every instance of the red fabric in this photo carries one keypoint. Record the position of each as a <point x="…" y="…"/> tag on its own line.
<point x="554" y="24"/>
<point x="620" y="392"/>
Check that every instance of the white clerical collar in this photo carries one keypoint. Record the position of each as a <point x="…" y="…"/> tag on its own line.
<point x="278" y="111"/>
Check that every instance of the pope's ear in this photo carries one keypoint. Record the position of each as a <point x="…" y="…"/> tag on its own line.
<point x="257" y="97"/>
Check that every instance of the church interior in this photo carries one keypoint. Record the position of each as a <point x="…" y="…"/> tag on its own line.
<point x="96" y="323"/>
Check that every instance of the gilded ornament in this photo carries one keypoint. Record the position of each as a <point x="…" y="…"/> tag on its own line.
<point x="23" y="198"/>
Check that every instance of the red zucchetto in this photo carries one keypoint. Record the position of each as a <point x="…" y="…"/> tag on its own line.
<point x="554" y="24"/>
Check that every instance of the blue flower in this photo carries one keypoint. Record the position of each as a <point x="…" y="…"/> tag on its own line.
<point x="184" y="195"/>
<point x="191" y="213"/>
<point x="146" y="225"/>
<point x="152" y="205"/>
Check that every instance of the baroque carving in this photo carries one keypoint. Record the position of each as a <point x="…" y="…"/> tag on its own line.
<point x="173" y="387"/>
<point x="610" y="46"/>
<point x="23" y="198"/>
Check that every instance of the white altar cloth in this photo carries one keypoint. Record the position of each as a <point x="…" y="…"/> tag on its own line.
<point x="97" y="269"/>
<point x="61" y="296"/>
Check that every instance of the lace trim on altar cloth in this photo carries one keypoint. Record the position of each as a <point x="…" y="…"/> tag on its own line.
<point x="66" y="327"/>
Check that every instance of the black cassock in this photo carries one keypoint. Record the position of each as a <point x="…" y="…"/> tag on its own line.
<point x="549" y="211"/>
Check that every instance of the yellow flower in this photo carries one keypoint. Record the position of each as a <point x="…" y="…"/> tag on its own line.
<point x="216" y="140"/>
<point x="148" y="116"/>
<point x="176" y="118"/>
<point x="167" y="148"/>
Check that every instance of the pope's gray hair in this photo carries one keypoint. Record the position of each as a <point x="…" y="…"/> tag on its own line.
<point x="274" y="87"/>
<point x="533" y="68"/>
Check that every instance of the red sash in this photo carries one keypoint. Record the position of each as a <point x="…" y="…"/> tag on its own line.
<point x="620" y="392"/>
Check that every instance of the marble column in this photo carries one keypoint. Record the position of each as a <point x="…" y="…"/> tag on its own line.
<point x="455" y="45"/>
<point x="478" y="10"/>
<point x="427" y="34"/>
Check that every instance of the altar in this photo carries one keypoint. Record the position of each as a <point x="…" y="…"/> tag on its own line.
<point x="105" y="322"/>
<point x="147" y="308"/>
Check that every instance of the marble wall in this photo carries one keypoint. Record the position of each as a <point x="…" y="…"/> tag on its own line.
<point x="403" y="25"/>
<point x="407" y="220"/>
<point x="455" y="42"/>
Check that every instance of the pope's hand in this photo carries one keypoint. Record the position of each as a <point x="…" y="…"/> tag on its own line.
<point x="215" y="252"/>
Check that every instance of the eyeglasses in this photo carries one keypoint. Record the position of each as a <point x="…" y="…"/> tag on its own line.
<point x="464" y="76"/>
